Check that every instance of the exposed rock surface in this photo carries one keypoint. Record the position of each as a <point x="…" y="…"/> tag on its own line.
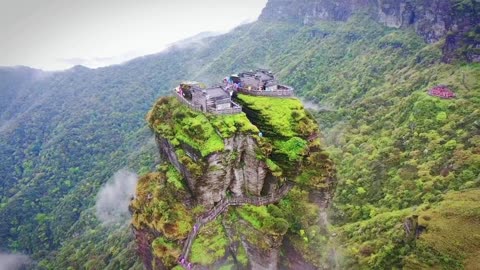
<point x="456" y="21"/>
<point x="261" y="257"/>
<point x="235" y="169"/>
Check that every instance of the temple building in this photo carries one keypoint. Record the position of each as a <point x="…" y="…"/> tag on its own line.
<point x="258" y="83"/>
<point x="213" y="99"/>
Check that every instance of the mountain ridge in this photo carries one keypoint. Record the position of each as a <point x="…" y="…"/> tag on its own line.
<point x="434" y="20"/>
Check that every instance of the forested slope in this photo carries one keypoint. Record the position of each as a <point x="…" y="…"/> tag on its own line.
<point x="394" y="146"/>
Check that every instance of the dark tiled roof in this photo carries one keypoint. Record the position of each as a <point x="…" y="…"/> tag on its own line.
<point x="217" y="93"/>
<point x="264" y="76"/>
<point x="257" y="78"/>
<point x="250" y="81"/>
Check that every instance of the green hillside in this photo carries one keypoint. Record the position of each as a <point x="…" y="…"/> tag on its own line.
<point x="397" y="150"/>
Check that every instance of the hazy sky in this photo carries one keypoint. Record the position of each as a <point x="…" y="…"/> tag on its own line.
<point x="57" y="34"/>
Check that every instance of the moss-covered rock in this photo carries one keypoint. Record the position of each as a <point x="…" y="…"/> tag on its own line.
<point x="211" y="245"/>
<point x="213" y="157"/>
<point x="160" y="206"/>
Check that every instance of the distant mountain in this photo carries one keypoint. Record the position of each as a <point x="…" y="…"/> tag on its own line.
<point x="12" y="82"/>
<point x="455" y="21"/>
<point x="399" y="152"/>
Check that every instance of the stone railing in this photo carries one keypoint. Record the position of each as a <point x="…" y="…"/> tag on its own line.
<point x="235" y="108"/>
<point x="221" y="207"/>
<point x="265" y="93"/>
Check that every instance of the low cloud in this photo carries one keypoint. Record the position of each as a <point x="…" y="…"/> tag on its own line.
<point x="14" y="261"/>
<point x="317" y="107"/>
<point x="96" y="62"/>
<point x="311" y="105"/>
<point x="113" y="198"/>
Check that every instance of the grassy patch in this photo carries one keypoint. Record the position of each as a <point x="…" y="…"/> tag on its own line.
<point x="178" y="123"/>
<point x="198" y="132"/>
<point x="284" y="117"/>
<point x="260" y="218"/>
<point x="228" y="125"/>
<point x="174" y="177"/>
<point x="210" y="244"/>
<point x="205" y="133"/>
<point x="294" y="148"/>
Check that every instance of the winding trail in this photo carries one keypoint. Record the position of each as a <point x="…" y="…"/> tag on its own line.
<point x="221" y="207"/>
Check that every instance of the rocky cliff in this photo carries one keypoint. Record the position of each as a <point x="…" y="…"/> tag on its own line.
<point x="240" y="190"/>
<point x="455" y="22"/>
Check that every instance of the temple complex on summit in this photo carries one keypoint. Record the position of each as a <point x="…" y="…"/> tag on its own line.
<point x="218" y="99"/>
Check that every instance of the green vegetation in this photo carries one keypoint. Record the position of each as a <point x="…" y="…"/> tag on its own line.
<point x="375" y="243"/>
<point x="447" y="239"/>
<point x="260" y="218"/>
<point x="98" y="247"/>
<point x="285" y="117"/>
<point x="228" y="125"/>
<point x="394" y="147"/>
<point x="205" y="133"/>
<point x="178" y="123"/>
<point x="167" y="250"/>
<point x="159" y="205"/>
<point x="451" y="239"/>
<point x="210" y="245"/>
<point x="285" y="126"/>
<point x="174" y="177"/>
<point x="294" y="148"/>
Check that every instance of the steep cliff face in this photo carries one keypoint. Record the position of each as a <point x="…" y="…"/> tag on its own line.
<point x="233" y="189"/>
<point x="235" y="169"/>
<point x="209" y="153"/>
<point x="455" y="21"/>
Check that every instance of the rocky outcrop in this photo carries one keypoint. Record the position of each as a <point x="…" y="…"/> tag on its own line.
<point x="234" y="170"/>
<point x="309" y="11"/>
<point x="144" y="240"/>
<point x="222" y="196"/>
<point x="264" y="255"/>
<point x="455" y="21"/>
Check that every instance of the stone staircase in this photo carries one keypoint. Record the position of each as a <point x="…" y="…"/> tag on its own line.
<point x="221" y="207"/>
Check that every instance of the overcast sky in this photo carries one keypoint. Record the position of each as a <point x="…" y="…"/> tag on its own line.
<point x="58" y="34"/>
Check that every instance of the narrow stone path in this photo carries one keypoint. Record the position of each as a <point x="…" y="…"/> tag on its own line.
<point x="221" y="207"/>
